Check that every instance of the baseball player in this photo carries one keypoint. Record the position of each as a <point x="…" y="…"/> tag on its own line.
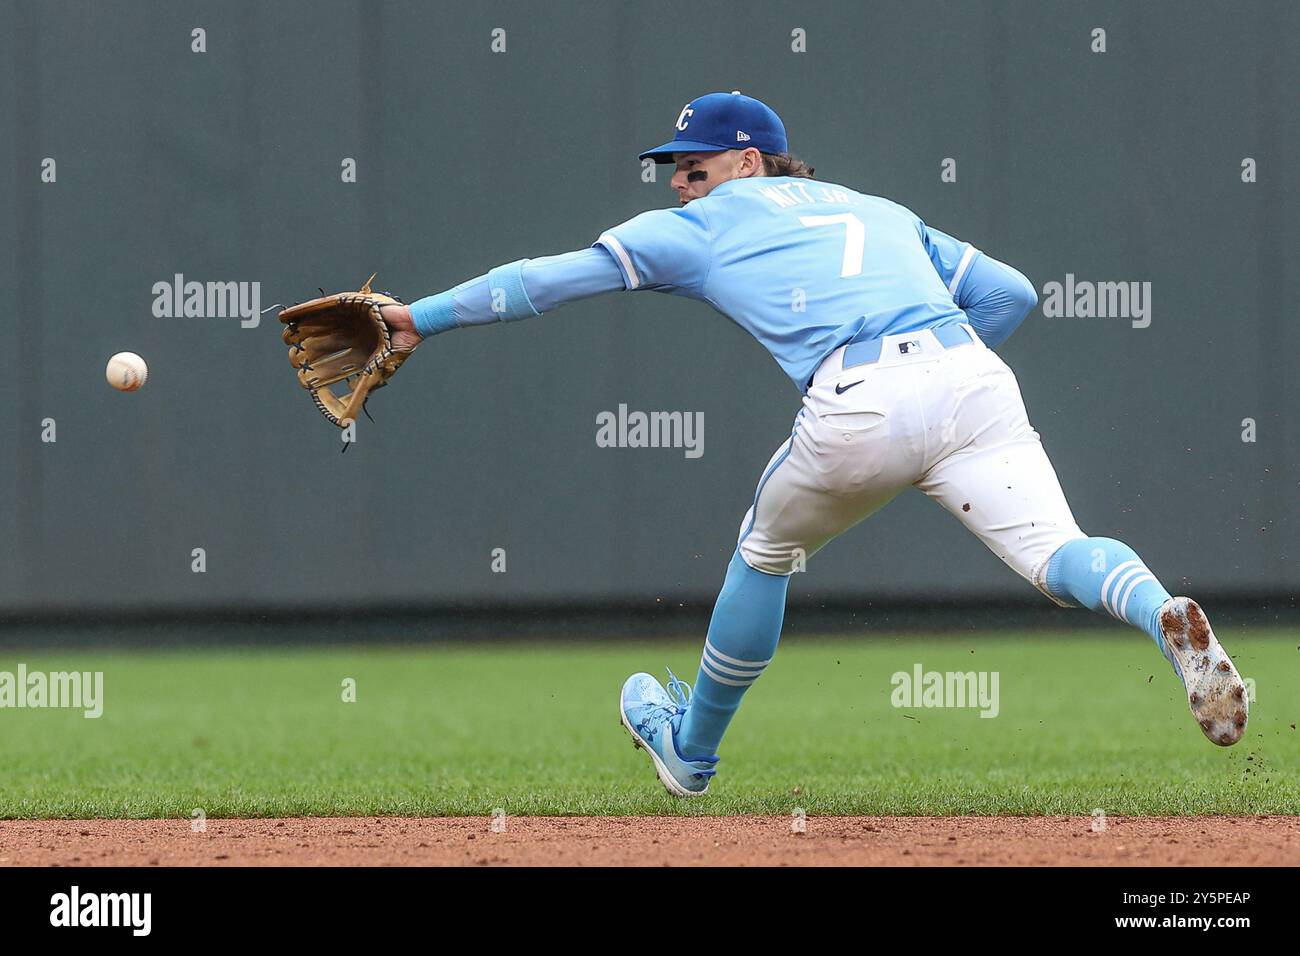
<point x="887" y="327"/>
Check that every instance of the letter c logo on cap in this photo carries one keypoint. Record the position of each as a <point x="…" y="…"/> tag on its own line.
<point x="683" y="120"/>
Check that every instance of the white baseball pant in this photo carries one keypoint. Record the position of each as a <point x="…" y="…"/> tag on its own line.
<point x="949" y="421"/>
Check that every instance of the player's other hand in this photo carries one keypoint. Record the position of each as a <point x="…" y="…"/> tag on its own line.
<point x="398" y="319"/>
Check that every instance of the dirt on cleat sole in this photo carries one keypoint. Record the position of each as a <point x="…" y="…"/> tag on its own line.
<point x="1215" y="691"/>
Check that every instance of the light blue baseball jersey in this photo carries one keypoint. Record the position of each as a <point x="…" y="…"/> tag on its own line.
<point x="803" y="266"/>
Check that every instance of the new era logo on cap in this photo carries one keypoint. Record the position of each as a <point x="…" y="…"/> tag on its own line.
<point x="718" y="121"/>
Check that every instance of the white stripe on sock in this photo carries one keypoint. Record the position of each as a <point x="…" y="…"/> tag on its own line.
<point x="1128" y="593"/>
<point x="708" y="646"/>
<point x="1116" y="580"/>
<point x="1110" y="578"/>
<point x="713" y="675"/>
<point x="1112" y="604"/>
<point x="1131" y="575"/>
<point x="733" y="671"/>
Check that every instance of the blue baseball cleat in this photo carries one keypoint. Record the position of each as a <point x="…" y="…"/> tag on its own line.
<point x="652" y="716"/>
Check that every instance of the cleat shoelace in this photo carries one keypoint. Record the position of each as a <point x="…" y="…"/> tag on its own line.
<point x="678" y="690"/>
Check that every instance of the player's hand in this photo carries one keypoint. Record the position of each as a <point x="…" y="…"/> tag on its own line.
<point x="399" y="321"/>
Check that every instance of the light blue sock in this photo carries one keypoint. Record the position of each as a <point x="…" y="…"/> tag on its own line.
<point x="1107" y="575"/>
<point x="742" y="638"/>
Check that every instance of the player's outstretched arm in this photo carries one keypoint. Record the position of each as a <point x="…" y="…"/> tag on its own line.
<point x="663" y="250"/>
<point x="516" y="290"/>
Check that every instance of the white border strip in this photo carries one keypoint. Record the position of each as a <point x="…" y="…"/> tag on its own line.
<point x="967" y="258"/>
<point x="610" y="240"/>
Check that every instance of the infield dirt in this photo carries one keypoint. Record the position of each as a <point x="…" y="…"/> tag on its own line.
<point x="655" y="841"/>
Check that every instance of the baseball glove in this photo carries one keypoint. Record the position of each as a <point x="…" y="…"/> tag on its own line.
<point x="342" y="338"/>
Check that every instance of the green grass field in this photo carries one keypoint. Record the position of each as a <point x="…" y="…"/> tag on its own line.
<point x="533" y="729"/>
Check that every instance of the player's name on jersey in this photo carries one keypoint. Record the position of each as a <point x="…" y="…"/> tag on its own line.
<point x="795" y="193"/>
<point x="1082" y="299"/>
<point x="634" y="429"/>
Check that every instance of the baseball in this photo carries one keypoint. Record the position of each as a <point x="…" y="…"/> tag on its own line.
<point x="126" y="371"/>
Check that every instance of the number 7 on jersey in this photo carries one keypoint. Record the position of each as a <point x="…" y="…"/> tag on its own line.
<point x="854" y="239"/>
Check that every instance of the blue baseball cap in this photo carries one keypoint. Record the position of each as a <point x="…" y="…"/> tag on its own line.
<point x="718" y="121"/>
